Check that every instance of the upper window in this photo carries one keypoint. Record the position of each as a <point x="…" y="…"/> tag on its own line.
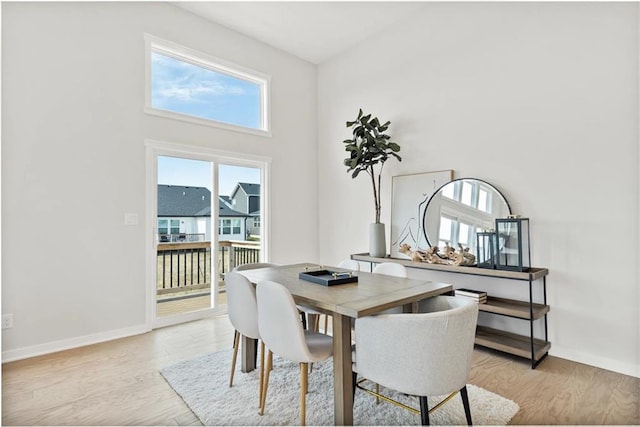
<point x="189" y="85"/>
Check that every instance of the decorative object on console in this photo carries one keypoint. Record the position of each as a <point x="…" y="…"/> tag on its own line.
<point x="368" y="147"/>
<point x="459" y="208"/>
<point x="431" y="255"/>
<point x="409" y="196"/>
<point x="486" y="249"/>
<point x="416" y="256"/>
<point x="464" y="257"/>
<point x="513" y="244"/>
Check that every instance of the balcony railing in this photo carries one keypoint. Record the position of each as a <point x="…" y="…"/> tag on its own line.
<point x="186" y="266"/>
<point x="181" y="237"/>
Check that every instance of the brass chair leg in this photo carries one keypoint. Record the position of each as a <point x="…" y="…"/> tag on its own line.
<point x="236" y="344"/>
<point x="261" y="373"/>
<point x="265" y="386"/>
<point x="303" y="392"/>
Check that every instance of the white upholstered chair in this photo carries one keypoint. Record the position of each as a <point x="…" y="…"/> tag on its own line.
<point x="391" y="269"/>
<point x="420" y="354"/>
<point x="349" y="264"/>
<point x="243" y="313"/>
<point x="253" y="265"/>
<point x="283" y="335"/>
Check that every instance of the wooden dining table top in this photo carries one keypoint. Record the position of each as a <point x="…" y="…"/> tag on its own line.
<point x="371" y="294"/>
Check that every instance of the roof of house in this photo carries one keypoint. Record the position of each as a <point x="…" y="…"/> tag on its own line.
<point x="226" y="210"/>
<point x="249" y="189"/>
<point x="183" y="201"/>
<point x="179" y="200"/>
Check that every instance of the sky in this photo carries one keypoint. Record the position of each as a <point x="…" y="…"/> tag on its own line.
<point x="185" y="88"/>
<point x="197" y="173"/>
<point x="189" y="89"/>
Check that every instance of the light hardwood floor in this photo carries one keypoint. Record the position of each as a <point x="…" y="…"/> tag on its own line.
<point x="118" y="383"/>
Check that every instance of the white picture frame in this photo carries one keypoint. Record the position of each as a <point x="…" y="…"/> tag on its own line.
<point x="409" y="196"/>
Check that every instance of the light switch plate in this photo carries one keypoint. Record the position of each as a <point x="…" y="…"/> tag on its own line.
<point x="131" y="219"/>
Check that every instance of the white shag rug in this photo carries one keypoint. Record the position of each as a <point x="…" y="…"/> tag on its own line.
<point x="203" y="383"/>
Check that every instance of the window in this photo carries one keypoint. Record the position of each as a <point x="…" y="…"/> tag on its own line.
<point x="188" y="85"/>
<point x="256" y="221"/>
<point x="167" y="228"/>
<point x="229" y="226"/>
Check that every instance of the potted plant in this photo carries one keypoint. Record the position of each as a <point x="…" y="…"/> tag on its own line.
<point x="369" y="148"/>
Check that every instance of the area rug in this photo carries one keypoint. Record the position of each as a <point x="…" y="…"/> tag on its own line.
<point x="203" y="383"/>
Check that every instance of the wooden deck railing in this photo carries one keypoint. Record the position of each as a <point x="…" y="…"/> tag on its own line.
<point x="187" y="266"/>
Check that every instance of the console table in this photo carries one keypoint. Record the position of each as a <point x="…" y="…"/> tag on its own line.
<point x="529" y="347"/>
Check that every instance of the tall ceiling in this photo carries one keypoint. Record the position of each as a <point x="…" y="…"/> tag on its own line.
<point x="312" y="30"/>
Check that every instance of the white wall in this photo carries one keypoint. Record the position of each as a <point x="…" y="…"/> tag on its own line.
<point x="73" y="161"/>
<point x="539" y="99"/>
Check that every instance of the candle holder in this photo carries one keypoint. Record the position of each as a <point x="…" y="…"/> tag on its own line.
<point x="486" y="249"/>
<point x="513" y="247"/>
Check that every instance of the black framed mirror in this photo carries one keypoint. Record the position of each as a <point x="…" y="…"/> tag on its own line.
<point x="460" y="208"/>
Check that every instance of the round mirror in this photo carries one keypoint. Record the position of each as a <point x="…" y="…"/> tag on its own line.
<point x="459" y="209"/>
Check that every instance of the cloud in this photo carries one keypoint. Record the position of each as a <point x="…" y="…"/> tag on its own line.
<point x="196" y="91"/>
<point x="180" y="81"/>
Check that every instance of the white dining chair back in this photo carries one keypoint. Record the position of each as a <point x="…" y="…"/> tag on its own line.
<point x="284" y="335"/>
<point x="421" y="354"/>
<point x="242" y="306"/>
<point x="242" y="309"/>
<point x="253" y="265"/>
<point x="349" y="264"/>
<point x="391" y="269"/>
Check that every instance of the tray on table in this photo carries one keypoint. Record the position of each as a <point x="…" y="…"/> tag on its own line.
<point x="328" y="277"/>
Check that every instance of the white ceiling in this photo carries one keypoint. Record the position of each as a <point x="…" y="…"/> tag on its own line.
<point x="311" y="30"/>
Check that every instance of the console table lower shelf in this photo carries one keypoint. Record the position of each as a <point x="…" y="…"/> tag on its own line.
<point x="511" y="343"/>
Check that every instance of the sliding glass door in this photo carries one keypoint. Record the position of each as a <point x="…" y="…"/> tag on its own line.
<point x="207" y="215"/>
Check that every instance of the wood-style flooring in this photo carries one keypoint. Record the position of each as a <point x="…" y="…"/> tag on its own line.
<point x="118" y="383"/>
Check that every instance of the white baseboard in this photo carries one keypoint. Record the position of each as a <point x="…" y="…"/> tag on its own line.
<point x="599" y="362"/>
<point x="54" y="346"/>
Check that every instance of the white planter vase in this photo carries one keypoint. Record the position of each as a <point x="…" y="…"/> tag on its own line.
<point x="377" y="244"/>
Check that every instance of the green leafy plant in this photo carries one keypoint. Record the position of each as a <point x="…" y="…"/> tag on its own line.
<point x="369" y="148"/>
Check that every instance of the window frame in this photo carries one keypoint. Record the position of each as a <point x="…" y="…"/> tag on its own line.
<point x="200" y="59"/>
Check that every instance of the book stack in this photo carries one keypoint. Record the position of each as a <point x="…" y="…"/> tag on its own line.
<point x="478" y="296"/>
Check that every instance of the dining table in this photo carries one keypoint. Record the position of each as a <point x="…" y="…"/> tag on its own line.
<point x="372" y="293"/>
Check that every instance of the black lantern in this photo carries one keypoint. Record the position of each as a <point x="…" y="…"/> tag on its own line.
<point x="486" y="249"/>
<point x="513" y="250"/>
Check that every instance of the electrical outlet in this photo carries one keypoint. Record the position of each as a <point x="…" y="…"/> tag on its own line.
<point x="7" y="321"/>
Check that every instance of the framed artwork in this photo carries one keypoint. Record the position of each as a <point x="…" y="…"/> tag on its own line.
<point x="409" y="197"/>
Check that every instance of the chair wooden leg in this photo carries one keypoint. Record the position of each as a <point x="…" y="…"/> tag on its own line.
<point x="236" y="344"/>
<point x="261" y="373"/>
<point x="465" y="403"/>
<point x="265" y="386"/>
<point x="424" y="410"/>
<point x="303" y="392"/>
<point x="326" y="323"/>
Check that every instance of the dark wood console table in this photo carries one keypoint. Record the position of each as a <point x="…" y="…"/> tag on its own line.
<point x="535" y="349"/>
